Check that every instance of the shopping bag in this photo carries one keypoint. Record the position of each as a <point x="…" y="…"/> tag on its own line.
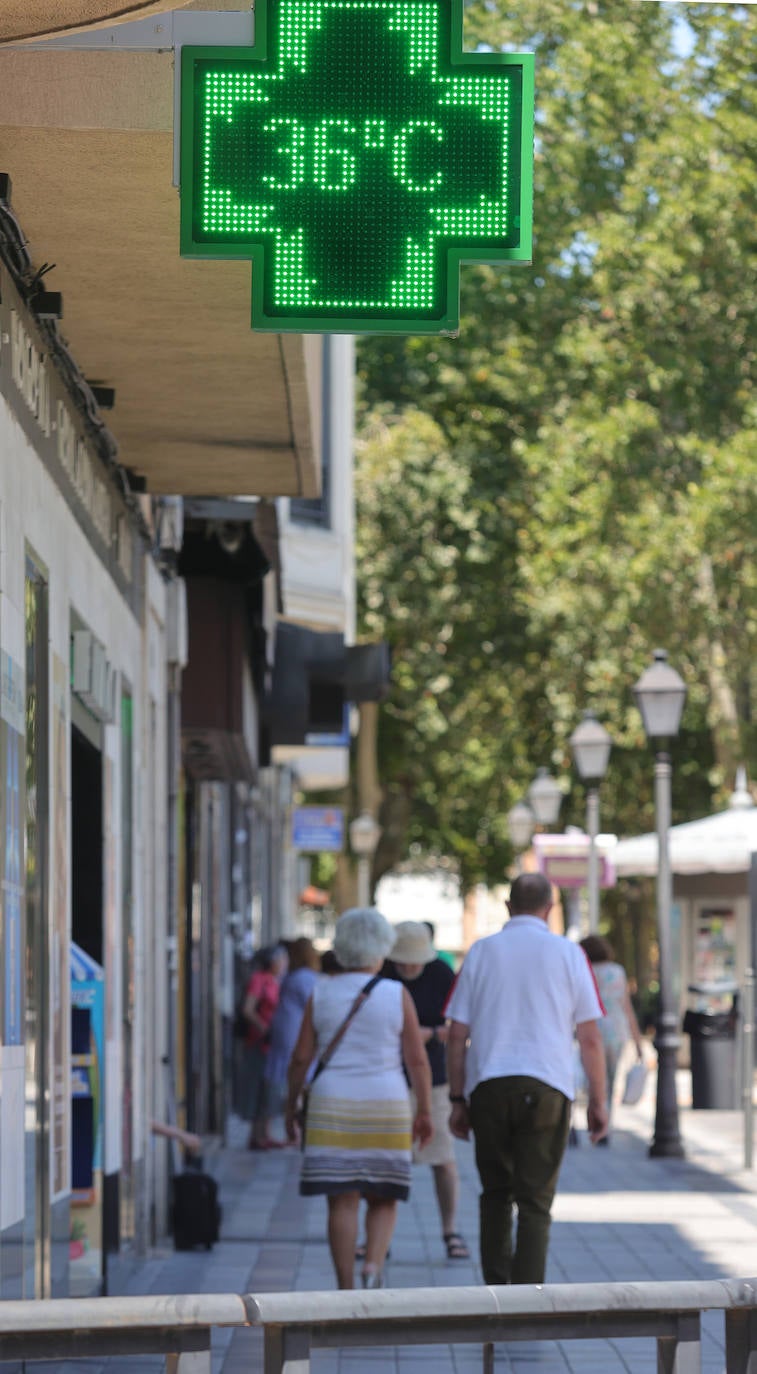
<point x="634" y="1087"/>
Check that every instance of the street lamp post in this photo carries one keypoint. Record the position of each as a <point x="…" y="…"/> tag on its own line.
<point x="521" y="823"/>
<point x="591" y="745"/>
<point x="545" y="796"/>
<point x="364" y="836"/>
<point x="660" y="695"/>
<point x="541" y="809"/>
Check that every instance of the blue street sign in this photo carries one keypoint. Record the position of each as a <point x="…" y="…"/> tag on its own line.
<point x="318" y="828"/>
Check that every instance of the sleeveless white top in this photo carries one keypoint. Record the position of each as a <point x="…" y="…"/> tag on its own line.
<point x="367" y="1062"/>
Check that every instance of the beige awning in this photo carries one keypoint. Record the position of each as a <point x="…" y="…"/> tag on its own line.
<point x="24" y="19"/>
<point x="723" y="843"/>
<point x="203" y="405"/>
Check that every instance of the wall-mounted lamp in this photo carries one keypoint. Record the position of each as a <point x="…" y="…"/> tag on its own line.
<point x="47" y="305"/>
<point x="105" y="396"/>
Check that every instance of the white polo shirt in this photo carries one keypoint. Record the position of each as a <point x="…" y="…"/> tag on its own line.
<point x="522" y="992"/>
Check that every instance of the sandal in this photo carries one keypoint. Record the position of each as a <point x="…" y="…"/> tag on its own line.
<point x="456" y="1247"/>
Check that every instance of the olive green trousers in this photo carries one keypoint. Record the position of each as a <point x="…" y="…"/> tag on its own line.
<point x="520" y="1127"/>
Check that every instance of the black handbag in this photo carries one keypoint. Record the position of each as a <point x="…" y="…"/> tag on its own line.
<point x="362" y="997"/>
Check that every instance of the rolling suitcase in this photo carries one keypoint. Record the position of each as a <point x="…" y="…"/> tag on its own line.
<point x="196" y="1210"/>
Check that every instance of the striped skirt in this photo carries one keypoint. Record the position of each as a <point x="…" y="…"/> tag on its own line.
<point x="357" y="1145"/>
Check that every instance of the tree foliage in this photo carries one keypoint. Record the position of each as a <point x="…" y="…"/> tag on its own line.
<point x="571" y="482"/>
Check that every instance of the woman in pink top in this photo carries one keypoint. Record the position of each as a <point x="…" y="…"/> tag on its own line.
<point x="260" y="1002"/>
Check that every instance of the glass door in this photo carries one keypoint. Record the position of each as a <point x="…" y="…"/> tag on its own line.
<point x="128" y="992"/>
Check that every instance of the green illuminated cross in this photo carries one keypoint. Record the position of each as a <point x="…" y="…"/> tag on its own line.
<point x="357" y="155"/>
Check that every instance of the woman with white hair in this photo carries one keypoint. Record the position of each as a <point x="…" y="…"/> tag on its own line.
<point x="359" y="1131"/>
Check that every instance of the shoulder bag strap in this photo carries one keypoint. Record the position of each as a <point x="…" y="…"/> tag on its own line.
<point x="339" y="1032"/>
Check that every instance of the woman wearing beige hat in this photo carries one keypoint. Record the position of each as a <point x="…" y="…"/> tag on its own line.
<point x="429" y="981"/>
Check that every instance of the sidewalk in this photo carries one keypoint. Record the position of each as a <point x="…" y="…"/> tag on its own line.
<point x="618" y="1216"/>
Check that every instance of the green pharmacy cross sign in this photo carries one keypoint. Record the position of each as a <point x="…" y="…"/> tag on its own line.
<point x="357" y="156"/>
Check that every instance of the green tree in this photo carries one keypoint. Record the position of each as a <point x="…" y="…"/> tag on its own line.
<point x="571" y="481"/>
<point x="423" y="557"/>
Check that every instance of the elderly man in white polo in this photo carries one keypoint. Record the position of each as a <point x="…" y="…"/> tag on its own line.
<point x="519" y="997"/>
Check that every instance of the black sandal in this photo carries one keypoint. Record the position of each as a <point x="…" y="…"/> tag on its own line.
<point x="456" y="1247"/>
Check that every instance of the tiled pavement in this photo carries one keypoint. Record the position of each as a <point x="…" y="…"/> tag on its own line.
<point x="618" y="1216"/>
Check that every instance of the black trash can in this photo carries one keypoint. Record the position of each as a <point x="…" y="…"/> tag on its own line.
<point x="714" y="1080"/>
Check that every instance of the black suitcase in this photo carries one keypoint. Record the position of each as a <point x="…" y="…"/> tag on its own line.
<point x="196" y="1210"/>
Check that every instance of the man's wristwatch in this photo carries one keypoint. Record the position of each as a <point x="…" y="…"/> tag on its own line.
<point x="454" y="1097"/>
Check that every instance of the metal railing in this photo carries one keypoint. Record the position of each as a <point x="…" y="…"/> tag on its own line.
<point x="79" y="1328"/>
<point x="295" y="1324"/>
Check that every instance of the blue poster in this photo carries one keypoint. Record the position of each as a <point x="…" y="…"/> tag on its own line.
<point x="318" y="828"/>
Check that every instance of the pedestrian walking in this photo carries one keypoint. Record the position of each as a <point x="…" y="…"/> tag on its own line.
<point x="429" y="980"/>
<point x="359" y="1130"/>
<point x="619" y="1024"/>
<point x="519" y="997"/>
<point x="295" y="989"/>
<point x="261" y="999"/>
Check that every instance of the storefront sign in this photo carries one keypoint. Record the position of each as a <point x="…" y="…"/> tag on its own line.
<point x="564" y="859"/>
<point x="357" y="155"/>
<point x="79" y="465"/>
<point x="30" y="373"/>
<point x="316" y="829"/>
<point x="56" y="429"/>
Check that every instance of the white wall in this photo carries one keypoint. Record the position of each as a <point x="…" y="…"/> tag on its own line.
<point x="34" y="515"/>
<point x="319" y="564"/>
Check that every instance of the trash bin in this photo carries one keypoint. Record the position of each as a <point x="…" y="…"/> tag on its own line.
<point x="712" y="1033"/>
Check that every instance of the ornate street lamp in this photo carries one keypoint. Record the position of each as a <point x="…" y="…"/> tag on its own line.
<point x="660" y="695"/>
<point x="545" y="796"/>
<point x="521" y="823"/>
<point x="365" y="833"/>
<point x="591" y="746"/>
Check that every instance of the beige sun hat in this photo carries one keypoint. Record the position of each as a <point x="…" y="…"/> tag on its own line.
<point x="412" y="944"/>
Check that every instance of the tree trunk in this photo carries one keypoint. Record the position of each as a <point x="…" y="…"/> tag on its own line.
<point x="366" y="772"/>
<point x="723" y="715"/>
<point x="344" y="893"/>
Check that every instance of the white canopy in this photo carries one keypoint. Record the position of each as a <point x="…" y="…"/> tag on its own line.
<point x="723" y="843"/>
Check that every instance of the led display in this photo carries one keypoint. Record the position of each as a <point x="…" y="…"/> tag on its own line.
<point x="357" y="156"/>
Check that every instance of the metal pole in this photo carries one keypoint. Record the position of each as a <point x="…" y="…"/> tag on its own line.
<point x="592" y="826"/>
<point x="667" y="1138"/>
<point x="363" y="880"/>
<point x="748" y="1024"/>
<point x="747" y="1088"/>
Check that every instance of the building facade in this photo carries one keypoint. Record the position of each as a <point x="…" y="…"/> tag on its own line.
<point x="83" y="609"/>
<point x="143" y="821"/>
